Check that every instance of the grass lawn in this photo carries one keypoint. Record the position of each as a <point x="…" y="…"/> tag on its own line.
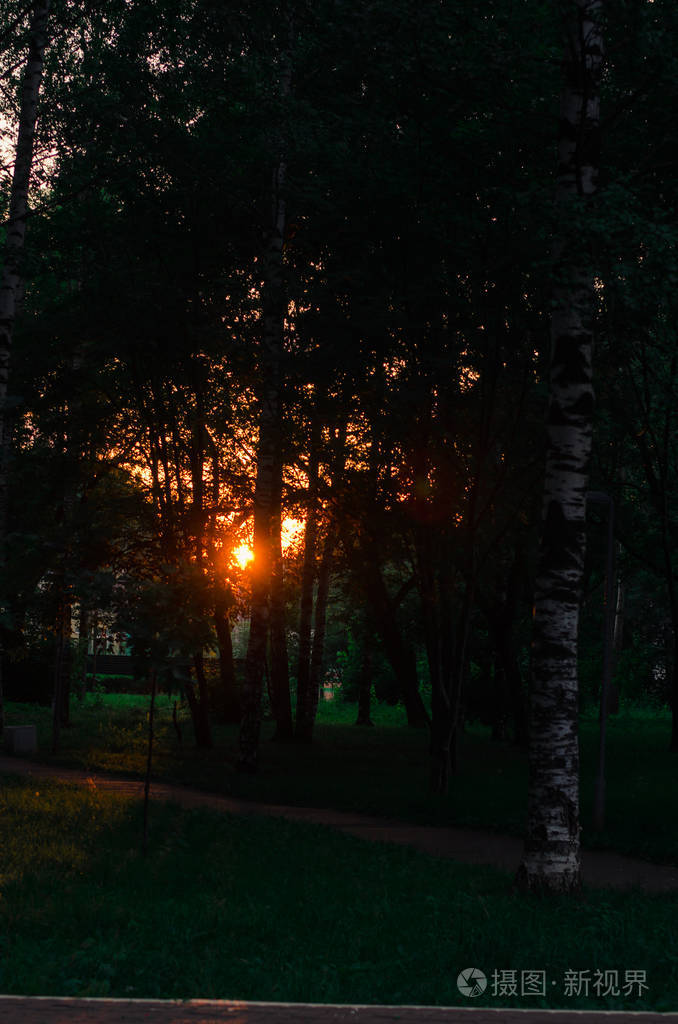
<point x="249" y="908"/>
<point x="385" y="770"/>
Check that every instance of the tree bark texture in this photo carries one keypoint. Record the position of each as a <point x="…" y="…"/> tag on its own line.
<point x="280" y="673"/>
<point x="551" y="860"/>
<point x="149" y="758"/>
<point x="338" y="465"/>
<point x="617" y="638"/>
<point x="433" y="568"/>
<point x="228" y="702"/>
<point x="365" y="679"/>
<point x="267" y="485"/>
<point x="83" y="643"/>
<point x="304" y="716"/>
<point x="501" y="616"/>
<point x="66" y="662"/>
<point x="398" y="652"/>
<point x="446" y="718"/>
<point x="12" y="274"/>
<point x="198" y="703"/>
<point x="320" y="617"/>
<point x="61" y="665"/>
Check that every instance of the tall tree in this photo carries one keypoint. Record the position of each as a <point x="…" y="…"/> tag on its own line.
<point x="12" y="271"/>
<point x="265" y="605"/>
<point x="551" y="859"/>
<point x="303" y="723"/>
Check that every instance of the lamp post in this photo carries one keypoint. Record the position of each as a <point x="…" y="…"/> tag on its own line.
<point x="600" y="497"/>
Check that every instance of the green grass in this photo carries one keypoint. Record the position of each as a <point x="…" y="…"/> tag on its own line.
<point x="257" y="908"/>
<point x="385" y="770"/>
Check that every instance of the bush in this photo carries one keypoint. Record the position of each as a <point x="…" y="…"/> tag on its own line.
<point x="350" y="664"/>
<point x="118" y="683"/>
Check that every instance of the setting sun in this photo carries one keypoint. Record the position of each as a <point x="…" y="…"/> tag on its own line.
<point x="243" y="555"/>
<point x="291" y="537"/>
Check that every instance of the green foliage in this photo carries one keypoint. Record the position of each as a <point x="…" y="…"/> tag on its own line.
<point x="350" y="662"/>
<point x="118" y="684"/>
<point x="165" y="618"/>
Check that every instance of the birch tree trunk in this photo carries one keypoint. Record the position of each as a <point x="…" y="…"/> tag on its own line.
<point x="11" y="279"/>
<point x="551" y="860"/>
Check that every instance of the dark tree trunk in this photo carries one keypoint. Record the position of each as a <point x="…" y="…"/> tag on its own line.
<point x="304" y="717"/>
<point x="199" y="704"/>
<point x="365" y="682"/>
<point x="617" y="641"/>
<point x="228" y="702"/>
<point x="11" y="279"/>
<point x="57" y="699"/>
<point x="514" y="682"/>
<point x="324" y="578"/>
<point x="399" y="654"/>
<point x="446" y="711"/>
<point x="443" y="747"/>
<point x="281" y="703"/>
<point x="320" y="620"/>
<point x="251" y="710"/>
<point x="62" y="665"/>
<point x="149" y="758"/>
<point x="434" y="583"/>
<point x="83" y="645"/>
<point x="267" y="486"/>
<point x="501" y="617"/>
<point x="499" y="701"/>
<point x="66" y="668"/>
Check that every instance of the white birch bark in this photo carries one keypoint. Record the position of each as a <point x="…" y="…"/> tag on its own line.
<point x="11" y="276"/>
<point x="552" y="850"/>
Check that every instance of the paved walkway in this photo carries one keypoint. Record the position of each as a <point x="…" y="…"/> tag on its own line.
<point x="601" y="868"/>
<point x="51" y="1011"/>
<point x="15" y="1010"/>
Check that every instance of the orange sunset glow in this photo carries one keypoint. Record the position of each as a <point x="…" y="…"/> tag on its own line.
<point x="291" y="535"/>
<point x="243" y="555"/>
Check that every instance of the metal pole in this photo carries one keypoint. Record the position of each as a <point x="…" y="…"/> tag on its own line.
<point x="608" y="628"/>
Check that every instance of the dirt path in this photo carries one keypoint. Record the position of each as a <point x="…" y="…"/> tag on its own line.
<point x="601" y="869"/>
